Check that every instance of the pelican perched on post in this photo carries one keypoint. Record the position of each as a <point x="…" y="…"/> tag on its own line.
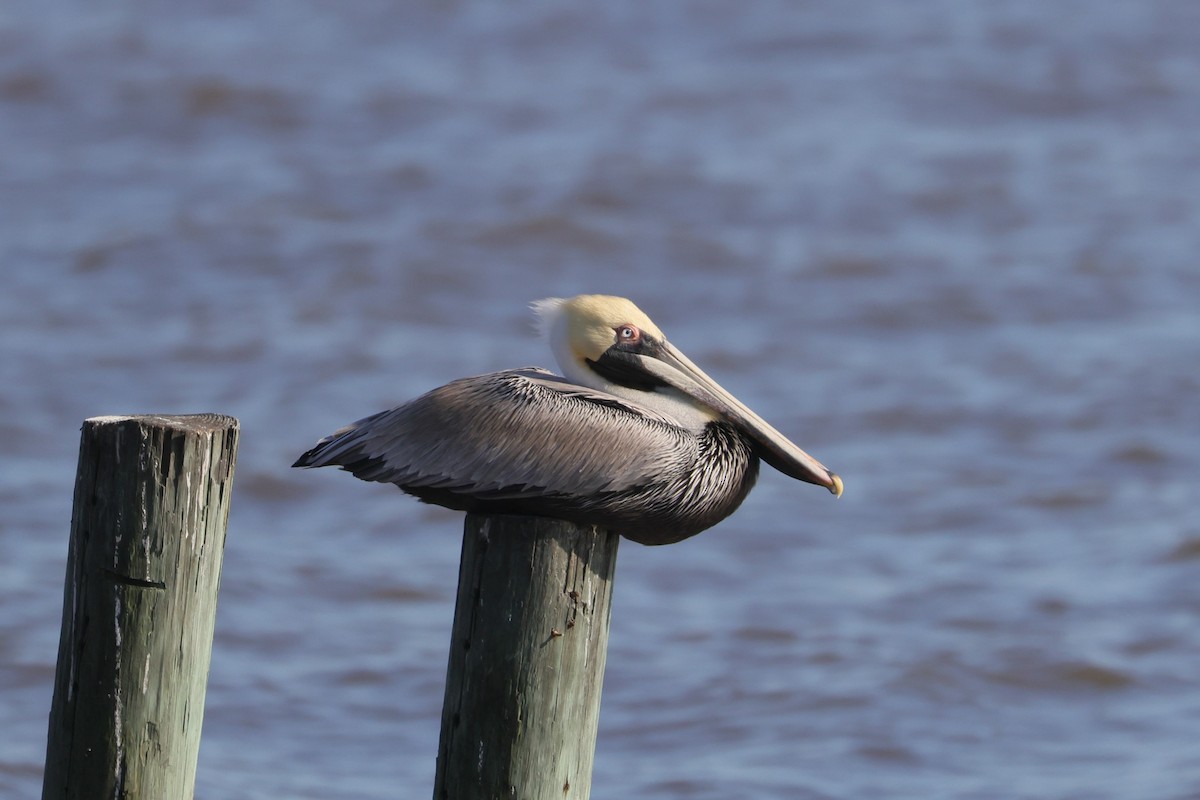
<point x="634" y="438"/>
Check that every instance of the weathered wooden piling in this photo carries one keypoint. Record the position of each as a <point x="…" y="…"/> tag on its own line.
<point x="147" y="537"/>
<point x="527" y="657"/>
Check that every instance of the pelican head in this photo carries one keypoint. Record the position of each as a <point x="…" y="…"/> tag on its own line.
<point x="608" y="343"/>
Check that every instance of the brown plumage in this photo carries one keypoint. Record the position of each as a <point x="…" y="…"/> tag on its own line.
<point x="637" y="440"/>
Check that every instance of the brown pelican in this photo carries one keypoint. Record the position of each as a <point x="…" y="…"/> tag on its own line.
<point x="635" y="437"/>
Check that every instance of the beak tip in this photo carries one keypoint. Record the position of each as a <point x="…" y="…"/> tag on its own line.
<point x="836" y="486"/>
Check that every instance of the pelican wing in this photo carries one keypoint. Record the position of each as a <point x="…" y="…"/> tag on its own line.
<point x="506" y="435"/>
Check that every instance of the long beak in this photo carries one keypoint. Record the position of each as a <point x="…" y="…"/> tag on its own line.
<point x="673" y="367"/>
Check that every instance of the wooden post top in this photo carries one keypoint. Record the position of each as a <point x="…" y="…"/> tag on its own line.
<point x="198" y="423"/>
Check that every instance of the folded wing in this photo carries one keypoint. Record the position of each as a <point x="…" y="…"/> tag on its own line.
<point x="510" y="435"/>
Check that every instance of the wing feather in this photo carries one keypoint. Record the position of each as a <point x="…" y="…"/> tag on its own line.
<point x="514" y="434"/>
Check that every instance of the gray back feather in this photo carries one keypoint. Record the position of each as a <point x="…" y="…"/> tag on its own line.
<point x="519" y="433"/>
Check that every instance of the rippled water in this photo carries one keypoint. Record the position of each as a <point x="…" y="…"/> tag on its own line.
<point x="949" y="248"/>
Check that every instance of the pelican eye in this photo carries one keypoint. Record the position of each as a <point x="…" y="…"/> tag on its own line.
<point x="628" y="334"/>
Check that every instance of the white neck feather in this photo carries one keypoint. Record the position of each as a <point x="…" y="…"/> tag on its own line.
<point x="667" y="402"/>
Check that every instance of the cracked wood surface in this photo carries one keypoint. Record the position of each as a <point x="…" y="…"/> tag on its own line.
<point x="144" y="564"/>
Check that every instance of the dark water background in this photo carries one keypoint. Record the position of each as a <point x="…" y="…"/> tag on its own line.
<point x="950" y="248"/>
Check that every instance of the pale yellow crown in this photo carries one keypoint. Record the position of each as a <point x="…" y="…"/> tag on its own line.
<point x="588" y="322"/>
